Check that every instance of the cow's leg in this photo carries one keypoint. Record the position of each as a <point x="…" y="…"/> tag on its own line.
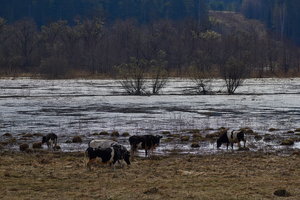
<point x="152" y="151"/>
<point x="244" y="143"/>
<point x="55" y="143"/>
<point x="239" y="144"/>
<point x="121" y="163"/>
<point x="132" y="151"/>
<point x="227" y="145"/>
<point x="232" y="145"/>
<point x="90" y="162"/>
<point x="112" y="164"/>
<point x="146" y="151"/>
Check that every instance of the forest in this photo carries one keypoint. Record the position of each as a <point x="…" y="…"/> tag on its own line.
<point x="65" y="38"/>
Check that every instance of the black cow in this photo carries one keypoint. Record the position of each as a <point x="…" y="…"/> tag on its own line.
<point x="50" y="139"/>
<point x="147" y="142"/>
<point x="231" y="138"/>
<point x="111" y="155"/>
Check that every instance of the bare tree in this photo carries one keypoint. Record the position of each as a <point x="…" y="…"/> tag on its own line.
<point x="25" y="41"/>
<point x="3" y="58"/>
<point x="234" y="73"/>
<point x="133" y="76"/>
<point x="202" y="81"/>
<point x="159" y="73"/>
<point x="91" y="32"/>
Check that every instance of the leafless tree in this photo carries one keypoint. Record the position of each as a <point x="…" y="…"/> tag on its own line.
<point x="159" y="73"/>
<point x="25" y="41"/>
<point x="202" y="80"/>
<point x="91" y="32"/>
<point x="234" y="73"/>
<point x="133" y="76"/>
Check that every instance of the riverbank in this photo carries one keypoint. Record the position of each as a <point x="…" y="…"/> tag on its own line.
<point x="232" y="175"/>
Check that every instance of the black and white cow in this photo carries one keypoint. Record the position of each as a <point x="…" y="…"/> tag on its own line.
<point x="105" y="155"/>
<point x="147" y="142"/>
<point x="231" y="138"/>
<point x="50" y="140"/>
<point x="110" y="155"/>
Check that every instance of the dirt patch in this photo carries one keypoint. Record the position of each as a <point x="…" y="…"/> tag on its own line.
<point x="233" y="175"/>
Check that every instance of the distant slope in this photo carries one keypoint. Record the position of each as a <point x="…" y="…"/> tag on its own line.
<point x="226" y="22"/>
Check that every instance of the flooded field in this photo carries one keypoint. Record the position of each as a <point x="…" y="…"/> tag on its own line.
<point x="86" y="107"/>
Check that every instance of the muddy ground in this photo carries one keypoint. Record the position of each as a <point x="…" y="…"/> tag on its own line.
<point x="231" y="175"/>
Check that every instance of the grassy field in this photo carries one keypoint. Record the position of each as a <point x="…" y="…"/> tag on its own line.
<point x="240" y="175"/>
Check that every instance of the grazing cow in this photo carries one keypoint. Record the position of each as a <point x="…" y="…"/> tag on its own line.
<point x="109" y="155"/>
<point x="96" y="144"/>
<point x="147" y="142"/>
<point x="121" y="154"/>
<point x="231" y="138"/>
<point x="106" y="155"/>
<point x="50" y="140"/>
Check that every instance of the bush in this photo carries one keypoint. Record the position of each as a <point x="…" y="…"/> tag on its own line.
<point x="234" y="73"/>
<point x="104" y="133"/>
<point x="185" y="138"/>
<point x="133" y="75"/>
<point x="23" y="147"/>
<point x="76" y="139"/>
<point x="115" y="134"/>
<point x="287" y="142"/>
<point x="7" y="135"/>
<point x="126" y="134"/>
<point x="37" y="145"/>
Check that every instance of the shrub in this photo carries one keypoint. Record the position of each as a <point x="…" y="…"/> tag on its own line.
<point x="23" y="147"/>
<point x="76" y="139"/>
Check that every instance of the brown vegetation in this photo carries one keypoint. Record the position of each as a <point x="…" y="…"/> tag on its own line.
<point x="242" y="175"/>
<point x="23" y="147"/>
<point x="37" y="145"/>
<point x="76" y="139"/>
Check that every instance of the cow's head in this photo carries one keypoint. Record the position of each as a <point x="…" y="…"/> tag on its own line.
<point x="157" y="139"/>
<point x="44" y="139"/>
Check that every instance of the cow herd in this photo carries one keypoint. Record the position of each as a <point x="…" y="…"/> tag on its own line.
<point x="111" y="152"/>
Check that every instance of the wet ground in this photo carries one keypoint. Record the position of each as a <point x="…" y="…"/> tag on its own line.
<point x="86" y="107"/>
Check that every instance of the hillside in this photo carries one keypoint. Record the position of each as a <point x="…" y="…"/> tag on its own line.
<point x="227" y="23"/>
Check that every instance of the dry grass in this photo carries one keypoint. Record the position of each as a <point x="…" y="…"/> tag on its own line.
<point x="227" y="176"/>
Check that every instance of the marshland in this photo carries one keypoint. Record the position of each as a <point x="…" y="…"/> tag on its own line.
<point x="186" y="71"/>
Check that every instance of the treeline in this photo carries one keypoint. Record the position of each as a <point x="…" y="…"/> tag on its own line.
<point x="44" y="12"/>
<point x="280" y="16"/>
<point x="59" y="49"/>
